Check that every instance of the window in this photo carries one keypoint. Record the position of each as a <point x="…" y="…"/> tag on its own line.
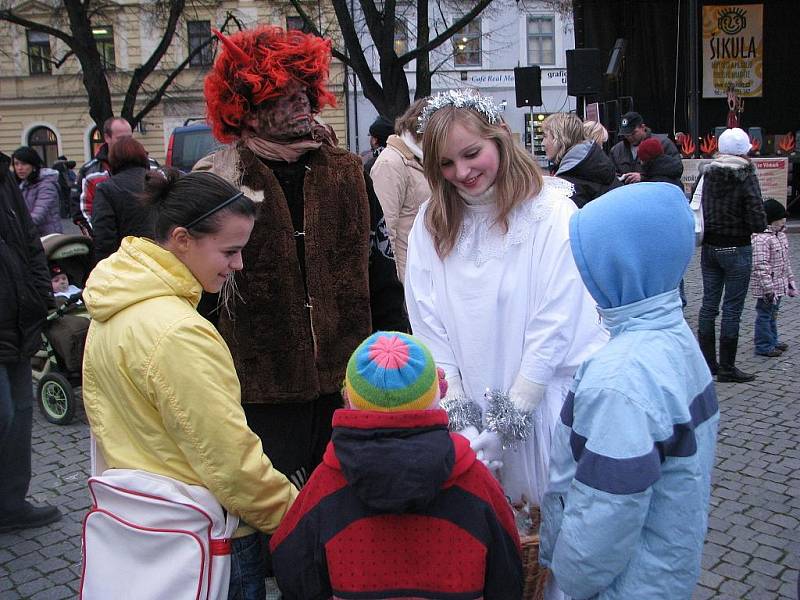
<point x="541" y="40"/>
<point x="45" y="142"/>
<point x="296" y="22"/>
<point x="467" y="45"/>
<point x="39" y="53"/>
<point x="199" y="33"/>
<point x="96" y="140"/>
<point x="104" y="38"/>
<point x="400" y="36"/>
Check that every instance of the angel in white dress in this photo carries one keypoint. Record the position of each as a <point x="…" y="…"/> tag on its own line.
<point x="492" y="288"/>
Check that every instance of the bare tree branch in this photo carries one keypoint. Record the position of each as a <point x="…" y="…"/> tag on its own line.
<point x="390" y="96"/>
<point x="158" y="95"/>
<point x="312" y="27"/>
<point x="77" y="35"/>
<point x="9" y="16"/>
<point x="141" y="73"/>
<point x="447" y="33"/>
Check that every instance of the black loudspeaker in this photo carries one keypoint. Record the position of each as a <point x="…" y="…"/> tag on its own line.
<point x="528" y="86"/>
<point x="585" y="71"/>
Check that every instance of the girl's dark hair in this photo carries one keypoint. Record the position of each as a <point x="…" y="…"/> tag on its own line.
<point x="29" y="156"/>
<point x="175" y="200"/>
<point x="126" y="152"/>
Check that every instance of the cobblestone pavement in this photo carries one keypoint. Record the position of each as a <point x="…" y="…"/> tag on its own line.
<point x="753" y="540"/>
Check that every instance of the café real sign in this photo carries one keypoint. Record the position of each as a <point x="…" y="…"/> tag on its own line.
<point x="553" y="77"/>
<point x="733" y="50"/>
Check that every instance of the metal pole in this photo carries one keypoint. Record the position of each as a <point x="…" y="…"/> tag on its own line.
<point x="533" y="153"/>
<point x="693" y="50"/>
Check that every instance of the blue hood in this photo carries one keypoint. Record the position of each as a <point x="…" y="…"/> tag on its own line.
<point x="633" y="242"/>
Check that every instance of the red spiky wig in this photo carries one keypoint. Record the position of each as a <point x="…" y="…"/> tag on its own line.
<point x="255" y="66"/>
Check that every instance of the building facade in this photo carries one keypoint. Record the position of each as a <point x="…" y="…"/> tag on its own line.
<point x="43" y="102"/>
<point x="483" y="56"/>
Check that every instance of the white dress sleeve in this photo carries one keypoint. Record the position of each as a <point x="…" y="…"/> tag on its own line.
<point x="421" y="298"/>
<point x="561" y="308"/>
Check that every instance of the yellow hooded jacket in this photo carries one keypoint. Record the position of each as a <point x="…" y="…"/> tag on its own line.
<point x="160" y="388"/>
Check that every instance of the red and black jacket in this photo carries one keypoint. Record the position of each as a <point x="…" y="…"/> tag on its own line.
<point x="399" y="508"/>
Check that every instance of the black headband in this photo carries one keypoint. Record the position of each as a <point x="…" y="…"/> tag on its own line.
<point x="217" y="208"/>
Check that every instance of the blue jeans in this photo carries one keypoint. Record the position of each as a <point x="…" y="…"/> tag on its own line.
<point x="728" y="270"/>
<point x="248" y="568"/>
<point x="16" y="422"/>
<point x="766" y="329"/>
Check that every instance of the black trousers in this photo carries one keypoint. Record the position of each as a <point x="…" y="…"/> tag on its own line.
<point x="16" y="422"/>
<point x="294" y="436"/>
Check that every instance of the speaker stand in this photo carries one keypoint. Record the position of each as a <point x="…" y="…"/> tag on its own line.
<point x="533" y="148"/>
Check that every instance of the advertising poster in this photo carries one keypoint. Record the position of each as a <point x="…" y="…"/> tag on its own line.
<point x="772" y="173"/>
<point x="733" y="50"/>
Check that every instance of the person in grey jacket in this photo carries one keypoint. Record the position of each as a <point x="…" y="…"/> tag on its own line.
<point x="625" y="153"/>
<point x="576" y="159"/>
<point x="39" y="187"/>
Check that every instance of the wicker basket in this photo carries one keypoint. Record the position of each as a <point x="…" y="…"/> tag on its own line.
<point x="535" y="574"/>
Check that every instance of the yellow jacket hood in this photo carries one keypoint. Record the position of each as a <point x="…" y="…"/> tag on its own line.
<point x="138" y="271"/>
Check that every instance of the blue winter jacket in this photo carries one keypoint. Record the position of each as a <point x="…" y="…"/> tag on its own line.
<point x="626" y="509"/>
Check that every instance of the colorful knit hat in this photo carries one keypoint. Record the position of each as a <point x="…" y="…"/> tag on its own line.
<point x="391" y="371"/>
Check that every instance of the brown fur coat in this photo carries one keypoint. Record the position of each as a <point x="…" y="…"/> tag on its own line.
<point x="283" y="350"/>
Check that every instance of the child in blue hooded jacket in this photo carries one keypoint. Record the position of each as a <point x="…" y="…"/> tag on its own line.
<point x="626" y="509"/>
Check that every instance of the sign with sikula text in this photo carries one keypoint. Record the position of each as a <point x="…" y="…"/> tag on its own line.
<point x="733" y="50"/>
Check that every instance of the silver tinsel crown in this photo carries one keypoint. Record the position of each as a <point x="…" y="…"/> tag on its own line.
<point x="484" y="105"/>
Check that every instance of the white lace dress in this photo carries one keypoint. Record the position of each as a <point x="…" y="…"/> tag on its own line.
<point x="504" y="304"/>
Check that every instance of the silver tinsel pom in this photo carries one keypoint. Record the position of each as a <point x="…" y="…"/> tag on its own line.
<point x="503" y="418"/>
<point x="462" y="412"/>
<point x="485" y="105"/>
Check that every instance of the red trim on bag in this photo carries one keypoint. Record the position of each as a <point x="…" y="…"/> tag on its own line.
<point x="220" y="546"/>
<point x="199" y="541"/>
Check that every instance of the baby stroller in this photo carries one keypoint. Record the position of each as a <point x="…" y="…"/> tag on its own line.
<point x="57" y="365"/>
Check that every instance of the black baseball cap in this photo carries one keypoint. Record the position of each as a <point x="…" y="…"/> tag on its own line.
<point x="630" y="121"/>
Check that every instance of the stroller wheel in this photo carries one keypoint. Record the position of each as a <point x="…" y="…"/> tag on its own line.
<point x="56" y="398"/>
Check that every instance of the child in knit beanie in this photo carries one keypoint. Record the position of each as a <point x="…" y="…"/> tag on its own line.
<point x="772" y="279"/>
<point x="399" y="503"/>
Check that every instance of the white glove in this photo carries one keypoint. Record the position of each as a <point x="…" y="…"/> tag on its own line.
<point x="489" y="449"/>
<point x="471" y="433"/>
<point x="526" y="395"/>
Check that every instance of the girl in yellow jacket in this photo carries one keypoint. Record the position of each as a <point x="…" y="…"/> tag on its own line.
<point x="159" y="385"/>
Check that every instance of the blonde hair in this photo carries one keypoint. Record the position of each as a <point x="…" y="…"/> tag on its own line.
<point x="408" y="121"/>
<point x="592" y="130"/>
<point x="518" y="175"/>
<point x="566" y="129"/>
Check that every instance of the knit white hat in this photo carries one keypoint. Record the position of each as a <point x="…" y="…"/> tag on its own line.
<point x="734" y="141"/>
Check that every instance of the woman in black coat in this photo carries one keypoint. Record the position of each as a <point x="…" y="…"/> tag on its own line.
<point x="580" y="161"/>
<point x="117" y="212"/>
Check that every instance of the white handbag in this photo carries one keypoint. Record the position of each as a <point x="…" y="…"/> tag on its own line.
<point x="151" y="537"/>
<point x="697" y="210"/>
